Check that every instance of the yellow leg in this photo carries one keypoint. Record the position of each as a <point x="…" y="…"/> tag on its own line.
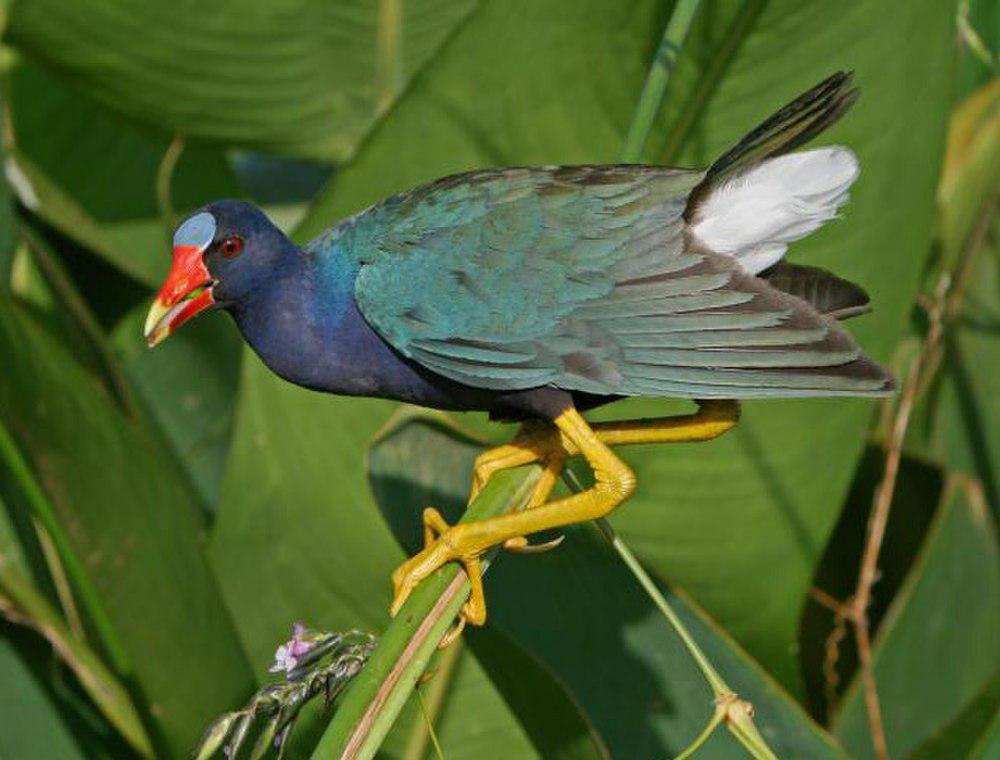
<point x="552" y="469"/>
<point x="541" y="444"/>
<point x="614" y="483"/>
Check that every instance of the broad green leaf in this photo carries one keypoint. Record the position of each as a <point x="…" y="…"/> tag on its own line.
<point x="548" y="714"/>
<point x="20" y="601"/>
<point x="958" y="416"/>
<point x="7" y="234"/>
<point x="31" y="728"/>
<point x="971" y="727"/>
<point x="133" y="525"/>
<point x="518" y="82"/>
<point x="510" y="708"/>
<point x="297" y="536"/>
<point x="93" y="176"/>
<point x="498" y="703"/>
<point x="989" y="747"/>
<point x="936" y="648"/>
<point x="709" y="517"/>
<point x="580" y="612"/>
<point x="302" y="77"/>
<point x="473" y="718"/>
<point x="189" y="386"/>
<point x="489" y="729"/>
<point x="473" y="715"/>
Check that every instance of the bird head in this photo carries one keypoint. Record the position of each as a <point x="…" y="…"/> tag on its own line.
<point x="222" y="253"/>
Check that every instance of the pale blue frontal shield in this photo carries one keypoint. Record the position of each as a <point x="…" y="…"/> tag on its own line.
<point x="196" y="232"/>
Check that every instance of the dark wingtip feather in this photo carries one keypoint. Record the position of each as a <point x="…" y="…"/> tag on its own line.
<point x="821" y="289"/>
<point x="791" y="126"/>
<point x="883" y="383"/>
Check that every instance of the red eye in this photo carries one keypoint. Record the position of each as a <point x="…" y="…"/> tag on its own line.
<point x="232" y="247"/>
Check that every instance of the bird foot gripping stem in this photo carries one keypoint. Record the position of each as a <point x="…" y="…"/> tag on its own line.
<point x="613" y="483"/>
<point x="444" y="543"/>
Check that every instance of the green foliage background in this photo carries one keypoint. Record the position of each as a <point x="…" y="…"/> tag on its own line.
<point x="165" y="516"/>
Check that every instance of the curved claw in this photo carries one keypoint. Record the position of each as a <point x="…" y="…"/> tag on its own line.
<point x="520" y="545"/>
<point x="403" y="584"/>
<point x="453" y="633"/>
<point x="473" y="612"/>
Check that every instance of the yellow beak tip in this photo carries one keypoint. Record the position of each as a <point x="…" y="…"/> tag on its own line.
<point x="154" y="331"/>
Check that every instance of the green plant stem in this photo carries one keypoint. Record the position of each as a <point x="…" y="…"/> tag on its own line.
<point x="21" y="603"/>
<point x="432" y="698"/>
<point x="43" y="511"/>
<point x="657" y="78"/>
<point x="717" y="717"/>
<point x="378" y="693"/>
<point x="973" y="40"/>
<point x="719" y="687"/>
<point x="735" y="713"/>
<point x="428" y="719"/>
<point x="722" y="57"/>
<point x="730" y="709"/>
<point x="164" y="182"/>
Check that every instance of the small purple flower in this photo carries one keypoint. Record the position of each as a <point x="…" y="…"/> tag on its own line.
<point x="286" y="657"/>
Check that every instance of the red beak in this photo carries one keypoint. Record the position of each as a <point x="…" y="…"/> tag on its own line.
<point x="187" y="292"/>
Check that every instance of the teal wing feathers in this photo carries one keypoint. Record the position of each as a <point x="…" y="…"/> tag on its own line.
<point x="583" y="278"/>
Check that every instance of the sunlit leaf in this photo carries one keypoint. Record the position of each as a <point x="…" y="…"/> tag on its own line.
<point x="303" y="77"/>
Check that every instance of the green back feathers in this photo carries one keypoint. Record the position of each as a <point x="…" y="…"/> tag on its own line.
<point x="589" y="279"/>
<point x="584" y="278"/>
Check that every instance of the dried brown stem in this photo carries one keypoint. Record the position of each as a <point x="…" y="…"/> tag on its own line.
<point x="881" y="506"/>
<point x="831" y="677"/>
<point x="877" y="522"/>
<point x="942" y="309"/>
<point x="829" y="601"/>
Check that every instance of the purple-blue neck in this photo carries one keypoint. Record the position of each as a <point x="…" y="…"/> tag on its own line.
<point x="305" y="326"/>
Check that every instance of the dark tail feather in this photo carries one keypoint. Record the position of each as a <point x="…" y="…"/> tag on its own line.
<point x="794" y="125"/>
<point x="823" y="290"/>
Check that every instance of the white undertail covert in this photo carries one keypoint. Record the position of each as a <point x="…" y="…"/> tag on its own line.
<point x="755" y="215"/>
